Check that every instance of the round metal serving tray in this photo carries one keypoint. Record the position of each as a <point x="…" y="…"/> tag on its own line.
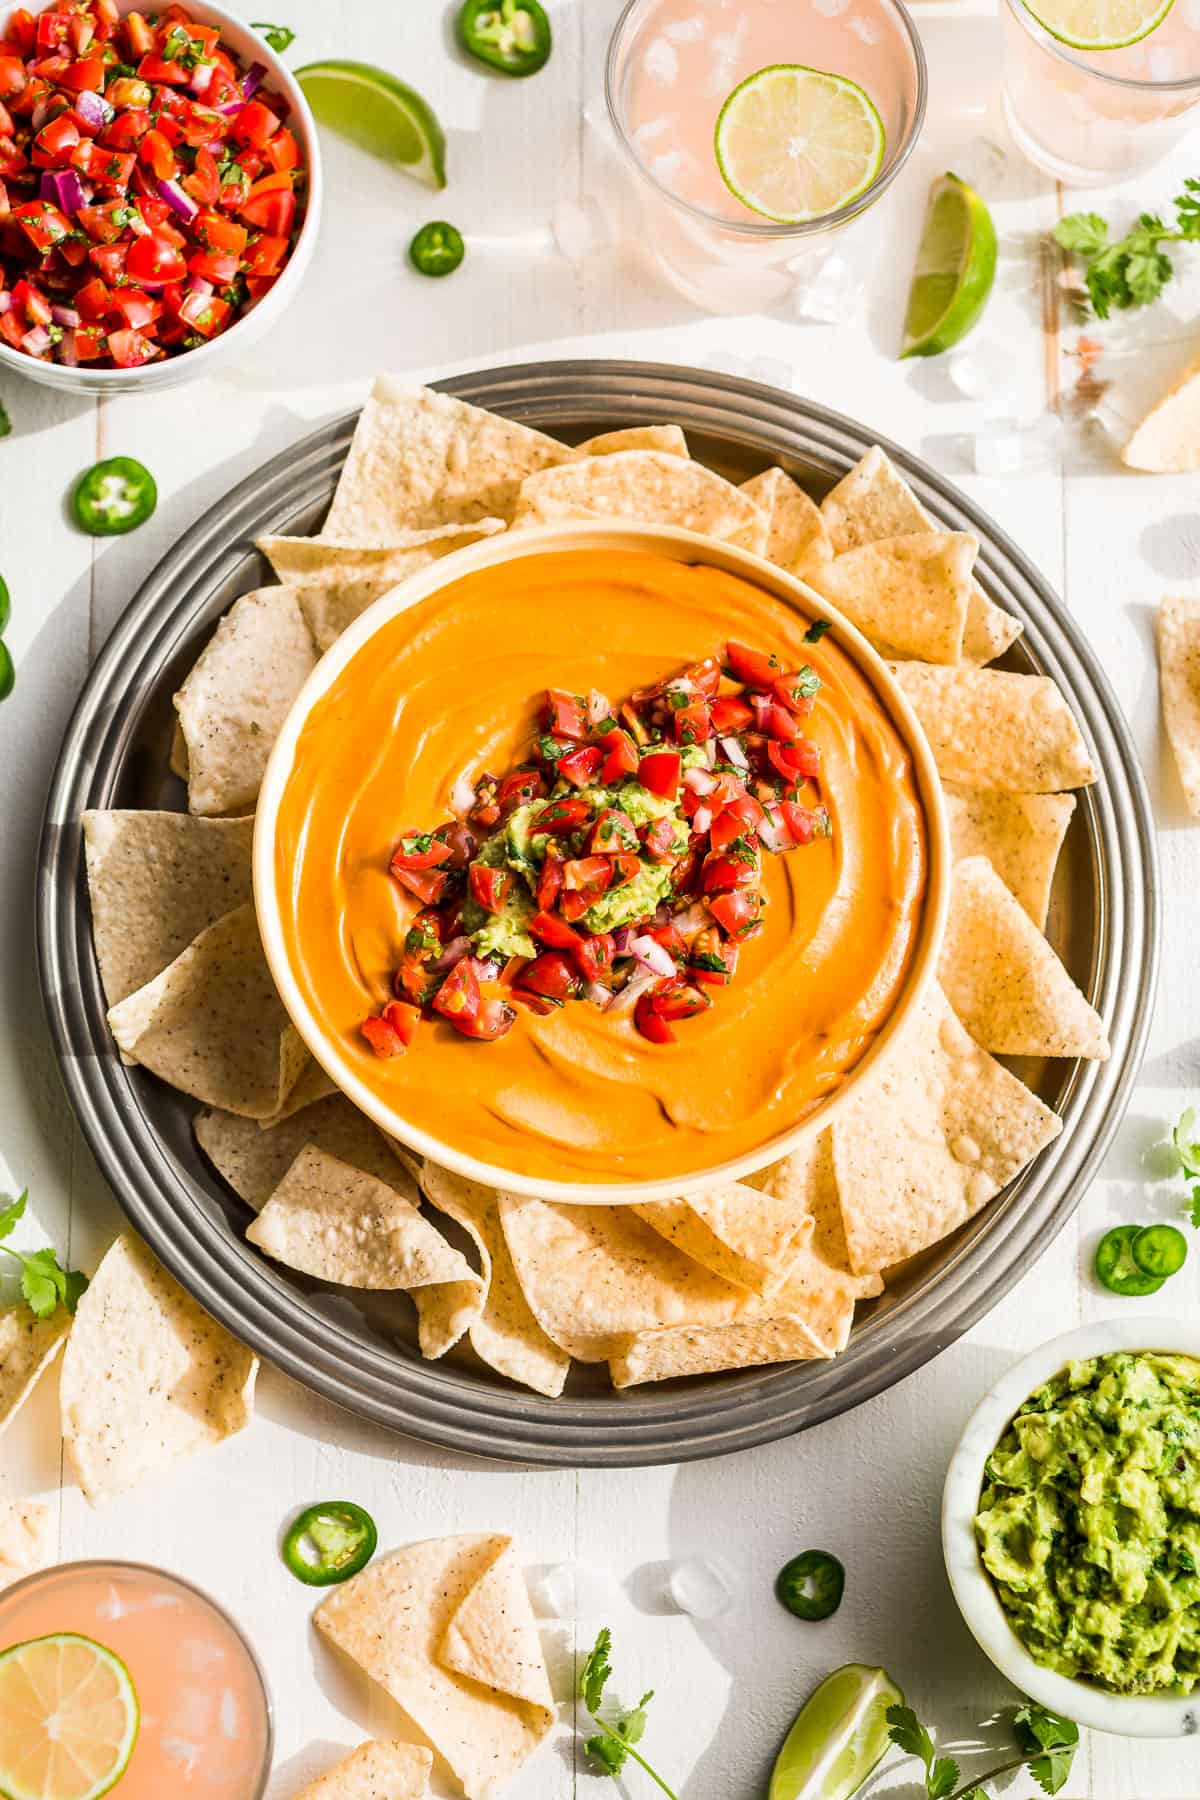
<point x="360" y="1350"/>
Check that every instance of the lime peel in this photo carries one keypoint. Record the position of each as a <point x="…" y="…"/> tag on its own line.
<point x="1099" y="24"/>
<point x="795" y="144"/>
<point x="380" y="113"/>
<point x="838" y="1736"/>
<point x="121" y="1729"/>
<point x="955" y="269"/>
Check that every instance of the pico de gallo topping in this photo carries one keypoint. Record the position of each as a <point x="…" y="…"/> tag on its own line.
<point x="149" y="184"/>
<point x="619" y="864"/>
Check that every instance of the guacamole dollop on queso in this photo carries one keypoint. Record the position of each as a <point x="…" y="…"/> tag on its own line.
<point x="1089" y="1523"/>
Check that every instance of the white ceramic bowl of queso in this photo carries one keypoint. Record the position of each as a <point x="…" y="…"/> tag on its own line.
<point x="232" y="345"/>
<point x="682" y="546"/>
<point x="1125" y="1715"/>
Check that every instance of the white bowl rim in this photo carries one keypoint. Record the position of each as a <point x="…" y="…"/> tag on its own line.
<point x="1125" y="1715"/>
<point x="86" y="380"/>
<point x="681" y="545"/>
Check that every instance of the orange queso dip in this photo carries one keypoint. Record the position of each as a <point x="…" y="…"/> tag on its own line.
<point x="453" y="686"/>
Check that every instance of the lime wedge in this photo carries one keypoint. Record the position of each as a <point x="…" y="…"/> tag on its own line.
<point x="68" y="1719"/>
<point x="795" y="144"/>
<point x="379" y="113"/>
<point x="839" y="1735"/>
<point x="1099" y="24"/>
<point x="956" y="265"/>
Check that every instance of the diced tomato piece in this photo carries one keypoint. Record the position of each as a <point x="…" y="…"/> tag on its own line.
<point x="660" y="772"/>
<point x="12" y="160"/>
<point x="620" y="756"/>
<point x="781" y="723"/>
<point x="109" y="259"/>
<point x="519" y="789"/>
<point x="582" y="766"/>
<point x="738" y="914"/>
<point x="153" y="67"/>
<point x="204" y="182"/>
<point x="139" y="36"/>
<point x="13" y="76"/>
<point x="650" y="1023"/>
<point x="274" y="212"/>
<point x="42" y="223"/>
<point x="565" y="714"/>
<point x="795" y="762"/>
<point x="704" y="676"/>
<point x="588" y="877"/>
<point x="127" y="130"/>
<point x="494" y="1018"/>
<point x="489" y="888"/>
<point x="156" y="152"/>
<point x="55" y="141"/>
<point x="220" y="270"/>
<point x="755" y="667"/>
<point x="127" y="93"/>
<point x="671" y="939"/>
<point x="153" y="260"/>
<point x="93" y="299"/>
<point x="745" y="807"/>
<point x="801" y="821"/>
<point x="624" y="869"/>
<point x="266" y="255"/>
<point x="613" y="832"/>
<point x="427" y="884"/>
<point x="711" y="959"/>
<point x="393" y="1030"/>
<point x="797" y="691"/>
<point x="130" y="349"/>
<point x="562" y="817"/>
<point x="730" y="714"/>
<point x="21" y="30"/>
<point x="739" y="869"/>
<point x="202" y="126"/>
<point x="224" y="235"/>
<point x="206" y="313"/>
<point x="690" y="724"/>
<point x="550" y="879"/>
<point x="725" y="829"/>
<point x="90" y="342"/>
<point x="658" y="840"/>
<point x="459" y="995"/>
<point x="12" y="328"/>
<point x="595" y="955"/>
<point x="283" y="152"/>
<point x="134" y="308"/>
<point x="419" y="850"/>
<point x="81" y="32"/>
<point x="679" y="1000"/>
<point x="110" y="167"/>
<point x="549" y="929"/>
<point x="84" y="76"/>
<point x="551" y="974"/>
<point x="33" y="302"/>
<point x="53" y="29"/>
<point x="254" y="124"/>
<point x="537" y="1004"/>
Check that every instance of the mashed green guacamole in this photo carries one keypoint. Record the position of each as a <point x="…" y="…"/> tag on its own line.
<point x="1089" y="1523"/>
<point x="516" y="845"/>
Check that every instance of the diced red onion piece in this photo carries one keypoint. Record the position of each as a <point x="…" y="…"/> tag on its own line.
<point x="639" y="983"/>
<point x="598" y="707"/>
<point x="702" y="819"/>
<point x="594" y="991"/>
<point x="453" y="953"/>
<point x="196" y="284"/>
<point x="773" y="833"/>
<point x="691" y="923"/>
<point x="178" y="201"/>
<point x="699" y="781"/>
<point x="622" y="938"/>
<point x="61" y="188"/>
<point x="734" y="753"/>
<point x="5" y="302"/>
<point x="709" y="748"/>
<point x="760" y="703"/>
<point x="462" y="796"/>
<point x="662" y="913"/>
<point x="253" y="79"/>
<point x="36" y="340"/>
<point x="652" y="955"/>
<point x="94" y="110"/>
<point x="68" y="355"/>
<point x="42" y="110"/>
<point x="65" y="315"/>
<point x="202" y="76"/>
<point x="485" y="970"/>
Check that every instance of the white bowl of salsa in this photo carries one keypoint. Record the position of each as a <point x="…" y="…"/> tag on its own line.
<point x="1126" y="1350"/>
<point x="180" y="257"/>
<point x="446" y="678"/>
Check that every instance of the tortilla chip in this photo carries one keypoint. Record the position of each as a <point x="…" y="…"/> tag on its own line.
<point x="236" y="698"/>
<point x="335" y="583"/>
<point x="646" y="485"/>
<point x="806" y="1182"/>
<point x="147" y="1377"/>
<point x="991" y="729"/>
<point x="27" y="1346"/>
<point x="796" y="531"/>
<point x="446" y="1628"/>
<point x="177" y="762"/>
<point x="1179" y="679"/>
<point x="874" y="501"/>
<point x="26" y="1539"/>
<point x="595" y="1275"/>
<point x="936" y="1136"/>
<point x="213" y="1025"/>
<point x="505" y="1335"/>
<point x="375" y="1772"/>
<point x="1003" y="979"/>
<point x="808" y="1319"/>
<point x="908" y="595"/>
<point x="1020" y="834"/>
<point x="667" y="438"/>
<point x="156" y="880"/>
<point x="254" y="1158"/>
<point x="339" y="1224"/>
<point x="1167" y="442"/>
<point x="746" y="1237"/>
<point x="312" y="1084"/>
<point x="422" y="460"/>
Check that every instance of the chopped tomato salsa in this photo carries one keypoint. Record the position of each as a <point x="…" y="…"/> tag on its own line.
<point x="620" y="864"/>
<point x="150" y="188"/>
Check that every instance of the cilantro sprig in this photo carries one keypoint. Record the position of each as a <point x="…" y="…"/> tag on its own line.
<point x="45" y="1285"/>
<point x="278" y="36"/>
<point x="1133" y="270"/>
<point x="1046" y="1742"/>
<point x="618" y="1731"/>
<point x="1187" y="1153"/>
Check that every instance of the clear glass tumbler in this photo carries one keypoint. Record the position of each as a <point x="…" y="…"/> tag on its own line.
<point x="1093" y="117"/>
<point x="671" y="65"/>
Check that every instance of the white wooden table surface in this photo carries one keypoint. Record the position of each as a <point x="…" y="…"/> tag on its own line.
<point x="866" y="1486"/>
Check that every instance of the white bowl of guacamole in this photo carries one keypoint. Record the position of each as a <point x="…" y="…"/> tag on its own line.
<point x="1071" y="1526"/>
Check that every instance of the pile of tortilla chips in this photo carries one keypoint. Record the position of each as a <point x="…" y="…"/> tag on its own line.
<point x="756" y="1272"/>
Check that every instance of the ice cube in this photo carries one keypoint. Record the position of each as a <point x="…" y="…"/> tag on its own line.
<point x="830" y="292"/>
<point x="685" y="31"/>
<point x="701" y="1586"/>
<point x="661" y="62"/>
<point x="978" y="370"/>
<point x="229" y="1716"/>
<point x="179" y="1750"/>
<point x="830" y="9"/>
<point x="865" y="29"/>
<point x="197" y="1655"/>
<point x="1003" y="447"/>
<point x="579" y="228"/>
<point x="572" y="1591"/>
<point x="653" y="128"/>
<point x="191" y="1713"/>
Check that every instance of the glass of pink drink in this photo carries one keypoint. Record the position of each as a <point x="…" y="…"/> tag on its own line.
<point x="205" y="1713"/>
<point x="1089" y="117"/>
<point x="672" y="64"/>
